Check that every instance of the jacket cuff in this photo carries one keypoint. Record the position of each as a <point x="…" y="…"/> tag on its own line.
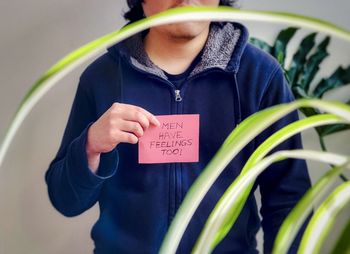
<point x="77" y="163"/>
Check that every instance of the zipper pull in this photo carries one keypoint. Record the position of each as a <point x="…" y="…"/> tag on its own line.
<point x="177" y="95"/>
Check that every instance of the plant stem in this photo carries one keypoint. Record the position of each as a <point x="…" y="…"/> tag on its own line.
<point x="323" y="146"/>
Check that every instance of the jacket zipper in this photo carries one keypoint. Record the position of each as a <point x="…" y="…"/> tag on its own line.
<point x="178" y="95"/>
<point x="175" y="195"/>
<point x="175" y="174"/>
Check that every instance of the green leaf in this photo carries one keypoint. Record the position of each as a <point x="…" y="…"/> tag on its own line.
<point x="299" y="92"/>
<point x="295" y="219"/>
<point x="269" y="144"/>
<point x="310" y="112"/>
<point x="339" y="78"/>
<point x="323" y="220"/>
<point x="261" y="44"/>
<point x="342" y="246"/>
<point x="244" y="133"/>
<point x="299" y="58"/>
<point x="328" y="130"/>
<point x="312" y="65"/>
<point x="282" y="40"/>
<point x="243" y="184"/>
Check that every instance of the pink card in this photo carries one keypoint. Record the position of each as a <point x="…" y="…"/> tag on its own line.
<point x="175" y="140"/>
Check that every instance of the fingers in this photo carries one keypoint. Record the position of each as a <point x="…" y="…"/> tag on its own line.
<point x="132" y="127"/>
<point x="151" y="118"/>
<point x="130" y="122"/>
<point x="136" y="114"/>
<point x="126" y="137"/>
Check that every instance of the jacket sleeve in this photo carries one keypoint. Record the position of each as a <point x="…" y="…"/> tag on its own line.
<point x="72" y="186"/>
<point x="285" y="182"/>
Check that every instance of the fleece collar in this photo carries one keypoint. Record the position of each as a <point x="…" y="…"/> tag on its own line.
<point x="223" y="50"/>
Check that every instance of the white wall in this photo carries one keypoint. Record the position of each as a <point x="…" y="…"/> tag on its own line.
<point x="34" y="35"/>
<point x="335" y="11"/>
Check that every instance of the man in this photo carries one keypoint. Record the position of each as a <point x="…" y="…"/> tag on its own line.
<point x="188" y="68"/>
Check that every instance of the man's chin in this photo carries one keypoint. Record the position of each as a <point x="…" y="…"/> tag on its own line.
<point x="186" y="31"/>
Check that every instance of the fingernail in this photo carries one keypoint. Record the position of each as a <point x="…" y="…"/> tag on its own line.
<point x="157" y="122"/>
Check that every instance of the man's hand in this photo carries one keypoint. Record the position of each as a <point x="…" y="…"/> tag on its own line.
<point x="121" y="123"/>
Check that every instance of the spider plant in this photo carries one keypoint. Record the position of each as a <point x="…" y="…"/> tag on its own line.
<point x="339" y="113"/>
<point x="231" y="203"/>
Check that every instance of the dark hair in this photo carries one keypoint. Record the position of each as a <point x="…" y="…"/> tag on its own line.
<point x="136" y="12"/>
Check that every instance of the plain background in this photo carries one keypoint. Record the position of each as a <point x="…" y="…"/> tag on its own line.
<point x="34" y="35"/>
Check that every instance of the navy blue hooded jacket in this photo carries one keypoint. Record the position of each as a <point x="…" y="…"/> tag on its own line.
<point x="232" y="80"/>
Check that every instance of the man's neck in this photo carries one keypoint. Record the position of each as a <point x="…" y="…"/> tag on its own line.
<point x="173" y="55"/>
